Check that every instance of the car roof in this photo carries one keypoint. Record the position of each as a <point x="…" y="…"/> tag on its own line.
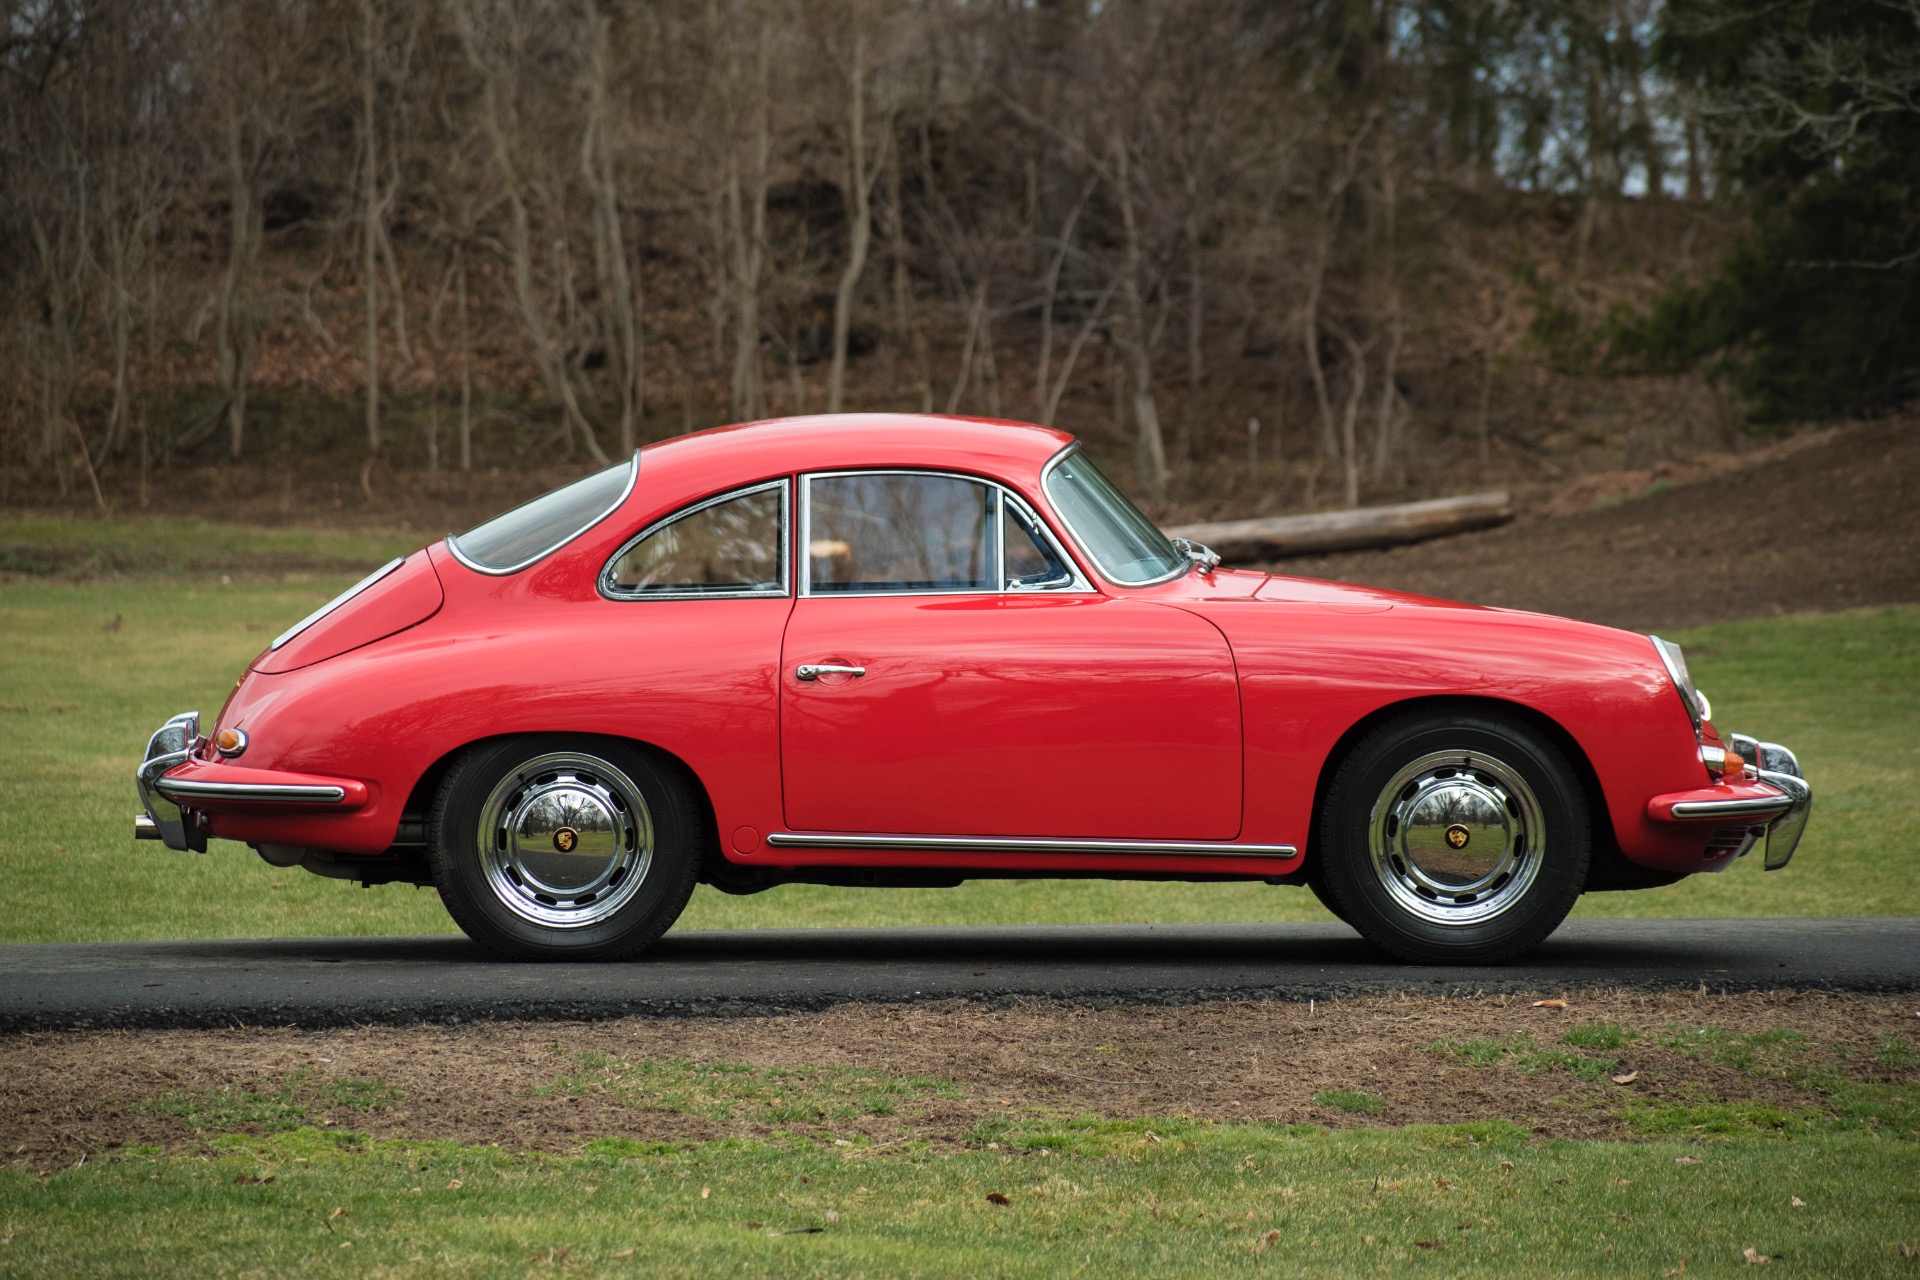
<point x="1014" y="451"/>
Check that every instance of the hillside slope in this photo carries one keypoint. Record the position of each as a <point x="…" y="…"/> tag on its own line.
<point x="1831" y="526"/>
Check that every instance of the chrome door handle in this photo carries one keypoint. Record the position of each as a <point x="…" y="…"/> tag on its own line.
<point x="814" y="670"/>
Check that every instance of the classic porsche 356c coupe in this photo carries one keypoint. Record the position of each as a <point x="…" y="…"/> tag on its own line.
<point x="895" y="650"/>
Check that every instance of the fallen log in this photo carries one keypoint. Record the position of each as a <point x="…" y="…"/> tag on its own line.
<point x="1277" y="537"/>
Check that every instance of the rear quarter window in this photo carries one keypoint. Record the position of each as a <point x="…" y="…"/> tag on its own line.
<point x="508" y="543"/>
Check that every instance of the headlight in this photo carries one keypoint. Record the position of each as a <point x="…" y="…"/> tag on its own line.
<point x="1694" y="700"/>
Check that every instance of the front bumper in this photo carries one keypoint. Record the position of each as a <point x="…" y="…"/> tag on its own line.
<point x="178" y="788"/>
<point x="1770" y="804"/>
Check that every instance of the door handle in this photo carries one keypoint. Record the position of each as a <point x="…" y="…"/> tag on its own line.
<point x="814" y="670"/>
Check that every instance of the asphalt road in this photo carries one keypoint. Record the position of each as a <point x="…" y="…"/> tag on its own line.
<point x="322" y="982"/>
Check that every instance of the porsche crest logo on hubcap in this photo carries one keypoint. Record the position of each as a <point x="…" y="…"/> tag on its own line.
<point x="565" y="838"/>
<point x="1457" y="836"/>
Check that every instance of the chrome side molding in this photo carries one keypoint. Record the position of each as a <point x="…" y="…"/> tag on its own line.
<point x="283" y="792"/>
<point x="1758" y="808"/>
<point x="1018" y="844"/>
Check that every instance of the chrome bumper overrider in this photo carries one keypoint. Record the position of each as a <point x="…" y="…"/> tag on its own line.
<point x="165" y="820"/>
<point x="173" y="805"/>
<point x="1778" y="767"/>
<point x="1769" y="804"/>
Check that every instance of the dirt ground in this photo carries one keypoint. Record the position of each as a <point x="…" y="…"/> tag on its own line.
<point x="1828" y="521"/>
<point x="67" y="1095"/>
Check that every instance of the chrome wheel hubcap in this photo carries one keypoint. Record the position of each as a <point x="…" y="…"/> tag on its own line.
<point x="565" y="840"/>
<point x="1455" y="837"/>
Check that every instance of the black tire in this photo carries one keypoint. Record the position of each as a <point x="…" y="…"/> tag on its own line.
<point x="1454" y="838"/>
<point x="1326" y="898"/>
<point x="564" y="848"/>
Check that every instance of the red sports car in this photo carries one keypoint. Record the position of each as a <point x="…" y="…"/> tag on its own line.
<point x="897" y="650"/>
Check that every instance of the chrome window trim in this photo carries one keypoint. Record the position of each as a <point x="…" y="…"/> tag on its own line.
<point x="1017" y="844"/>
<point x="1046" y="474"/>
<point x="783" y="483"/>
<point x="804" y="568"/>
<point x="453" y="539"/>
<point x="336" y="602"/>
<point x="1079" y="583"/>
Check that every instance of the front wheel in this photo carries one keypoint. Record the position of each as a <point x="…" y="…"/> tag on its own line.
<point x="1454" y="839"/>
<point x="564" y="849"/>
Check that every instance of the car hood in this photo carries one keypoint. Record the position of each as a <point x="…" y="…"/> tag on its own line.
<point x="1344" y="594"/>
<point x="1243" y="586"/>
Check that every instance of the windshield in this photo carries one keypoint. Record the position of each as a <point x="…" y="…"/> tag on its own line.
<point x="526" y="533"/>
<point x="1128" y="547"/>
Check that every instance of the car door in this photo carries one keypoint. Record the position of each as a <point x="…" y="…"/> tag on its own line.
<point x="947" y="671"/>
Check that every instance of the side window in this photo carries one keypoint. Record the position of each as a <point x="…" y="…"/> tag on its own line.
<point x="1031" y="564"/>
<point x="730" y="546"/>
<point x="879" y="532"/>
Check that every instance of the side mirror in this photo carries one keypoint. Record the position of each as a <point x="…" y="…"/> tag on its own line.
<point x="1202" y="555"/>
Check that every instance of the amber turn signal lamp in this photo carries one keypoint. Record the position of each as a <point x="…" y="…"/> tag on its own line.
<point x="1715" y="758"/>
<point x="230" y="742"/>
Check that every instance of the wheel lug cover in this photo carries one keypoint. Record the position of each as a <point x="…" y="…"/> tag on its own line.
<point x="1454" y="837"/>
<point x="565" y="840"/>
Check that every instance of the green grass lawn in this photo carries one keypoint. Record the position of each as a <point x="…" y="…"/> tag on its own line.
<point x="1160" y="1197"/>
<point x="79" y="695"/>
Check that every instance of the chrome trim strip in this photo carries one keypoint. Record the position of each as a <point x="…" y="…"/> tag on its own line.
<point x="1026" y="515"/>
<point x="336" y="602"/>
<point x="1757" y="807"/>
<point x="786" y="549"/>
<point x="803" y="571"/>
<point x="281" y="793"/>
<point x="453" y="539"/>
<point x="1019" y="844"/>
<point x="1046" y="472"/>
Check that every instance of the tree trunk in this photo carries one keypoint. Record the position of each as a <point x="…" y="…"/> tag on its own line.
<point x="1151" y="442"/>
<point x="466" y="366"/>
<point x="746" y="209"/>
<point x="906" y="325"/>
<point x="370" y="214"/>
<point x="618" y="303"/>
<point x="1273" y="537"/>
<point x="235" y="335"/>
<point x="1356" y="388"/>
<point x="546" y="354"/>
<point x="860" y="232"/>
<point x="1050" y="291"/>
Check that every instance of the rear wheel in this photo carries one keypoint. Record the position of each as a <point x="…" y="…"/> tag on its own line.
<point x="1454" y="838"/>
<point x="564" y="849"/>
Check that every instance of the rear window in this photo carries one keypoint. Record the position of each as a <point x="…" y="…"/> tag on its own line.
<point x="527" y="533"/>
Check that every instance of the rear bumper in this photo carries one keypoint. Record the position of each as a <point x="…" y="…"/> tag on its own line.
<point x="1769" y="803"/>
<point x="178" y="788"/>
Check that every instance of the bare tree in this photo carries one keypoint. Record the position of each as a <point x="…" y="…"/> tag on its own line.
<point x="619" y="298"/>
<point x="507" y="28"/>
<point x="860" y="174"/>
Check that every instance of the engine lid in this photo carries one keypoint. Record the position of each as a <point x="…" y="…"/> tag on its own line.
<point x="373" y="609"/>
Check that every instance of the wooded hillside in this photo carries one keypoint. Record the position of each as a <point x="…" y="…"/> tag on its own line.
<point x="1339" y="247"/>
